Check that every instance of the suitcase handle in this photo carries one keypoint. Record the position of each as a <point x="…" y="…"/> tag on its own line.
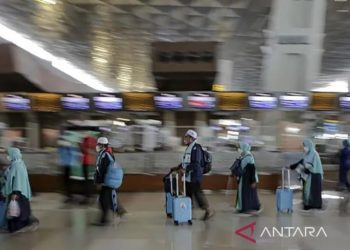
<point x="177" y="184"/>
<point x="171" y="184"/>
<point x="288" y="174"/>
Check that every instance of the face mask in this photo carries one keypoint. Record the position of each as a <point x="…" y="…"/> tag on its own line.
<point x="8" y="158"/>
<point x="98" y="149"/>
<point x="306" y="149"/>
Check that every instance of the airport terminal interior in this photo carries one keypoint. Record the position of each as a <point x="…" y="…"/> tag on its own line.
<point x="174" y="124"/>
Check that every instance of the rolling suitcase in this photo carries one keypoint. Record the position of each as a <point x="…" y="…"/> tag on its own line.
<point x="182" y="205"/>
<point x="284" y="196"/>
<point x="169" y="198"/>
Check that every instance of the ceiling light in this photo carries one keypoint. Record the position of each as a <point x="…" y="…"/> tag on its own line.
<point x="100" y="60"/>
<point x="48" y="1"/>
<point x="335" y="86"/>
<point x="343" y="11"/>
<point x="61" y="64"/>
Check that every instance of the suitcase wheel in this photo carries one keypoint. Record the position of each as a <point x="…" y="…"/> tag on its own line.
<point x="190" y="222"/>
<point x="176" y="223"/>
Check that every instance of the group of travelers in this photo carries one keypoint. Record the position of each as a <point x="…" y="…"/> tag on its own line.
<point x="15" y="192"/>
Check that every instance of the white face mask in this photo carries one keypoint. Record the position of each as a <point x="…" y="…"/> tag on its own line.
<point x="306" y="149"/>
<point x="98" y="149"/>
<point x="8" y="158"/>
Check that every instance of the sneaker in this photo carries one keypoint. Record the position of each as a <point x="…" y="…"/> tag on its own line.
<point x="30" y="228"/>
<point x="208" y="214"/>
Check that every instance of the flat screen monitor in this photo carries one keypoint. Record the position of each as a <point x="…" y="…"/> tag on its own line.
<point x="262" y="101"/>
<point x="108" y="102"/>
<point x="344" y="101"/>
<point x="201" y="101"/>
<point x="75" y="102"/>
<point x="16" y="102"/>
<point x="168" y="101"/>
<point x="294" y="101"/>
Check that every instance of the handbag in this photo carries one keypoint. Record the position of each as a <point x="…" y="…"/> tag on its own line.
<point x="13" y="210"/>
<point x="236" y="169"/>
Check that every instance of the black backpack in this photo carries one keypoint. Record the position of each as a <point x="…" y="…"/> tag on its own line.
<point x="207" y="161"/>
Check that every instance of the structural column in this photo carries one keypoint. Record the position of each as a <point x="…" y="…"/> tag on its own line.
<point x="294" y="45"/>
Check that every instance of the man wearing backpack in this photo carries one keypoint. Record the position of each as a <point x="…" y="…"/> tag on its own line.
<point x="105" y="193"/>
<point x="192" y="163"/>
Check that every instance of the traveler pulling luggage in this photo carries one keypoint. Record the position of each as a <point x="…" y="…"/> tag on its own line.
<point x="284" y="195"/>
<point x="182" y="204"/>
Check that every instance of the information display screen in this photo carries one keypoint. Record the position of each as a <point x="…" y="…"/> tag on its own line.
<point x="232" y="100"/>
<point x="263" y="101"/>
<point x="108" y="102"/>
<point x="16" y="102"/>
<point x="344" y="101"/>
<point x="324" y="101"/>
<point x="75" y="102"/>
<point x="201" y="101"/>
<point x="168" y="101"/>
<point x="294" y="101"/>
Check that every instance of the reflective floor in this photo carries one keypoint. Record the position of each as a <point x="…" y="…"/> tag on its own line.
<point x="146" y="227"/>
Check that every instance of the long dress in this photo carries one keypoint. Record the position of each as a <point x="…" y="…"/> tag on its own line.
<point x="17" y="183"/>
<point x="247" y="196"/>
<point x="312" y="183"/>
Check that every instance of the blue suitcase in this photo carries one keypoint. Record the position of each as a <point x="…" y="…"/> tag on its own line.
<point x="170" y="198"/>
<point x="284" y="196"/>
<point x="182" y="205"/>
<point x="169" y="204"/>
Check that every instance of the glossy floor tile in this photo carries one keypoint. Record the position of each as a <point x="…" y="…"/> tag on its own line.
<point x="145" y="227"/>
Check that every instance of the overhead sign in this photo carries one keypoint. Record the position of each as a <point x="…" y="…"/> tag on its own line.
<point x="344" y="101"/>
<point x="201" y="101"/>
<point x="75" y="102"/>
<point x="294" y="101"/>
<point x="45" y="102"/>
<point x="324" y="101"/>
<point x="168" y="101"/>
<point x="108" y="102"/>
<point x="232" y="100"/>
<point x="16" y="102"/>
<point x="263" y="101"/>
<point x="139" y="101"/>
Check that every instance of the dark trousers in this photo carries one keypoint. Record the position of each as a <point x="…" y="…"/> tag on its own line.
<point x="194" y="190"/>
<point x="343" y="176"/>
<point x="87" y="191"/>
<point x="106" y="204"/>
<point x="66" y="181"/>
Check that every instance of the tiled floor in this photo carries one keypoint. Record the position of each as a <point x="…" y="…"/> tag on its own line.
<point x="146" y="227"/>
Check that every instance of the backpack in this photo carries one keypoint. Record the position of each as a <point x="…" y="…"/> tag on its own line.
<point x="114" y="175"/>
<point x="207" y="161"/>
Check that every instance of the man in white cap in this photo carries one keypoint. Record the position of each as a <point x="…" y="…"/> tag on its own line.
<point x="103" y="162"/>
<point x="192" y="163"/>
